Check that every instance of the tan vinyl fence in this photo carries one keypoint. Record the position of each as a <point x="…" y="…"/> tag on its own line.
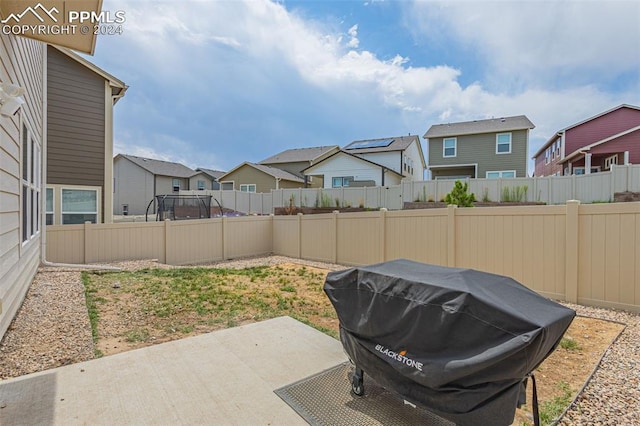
<point x="588" y="254"/>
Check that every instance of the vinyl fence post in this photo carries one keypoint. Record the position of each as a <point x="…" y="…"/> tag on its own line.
<point x="87" y="243"/>
<point x="383" y="235"/>
<point x="224" y="238"/>
<point x="334" y="255"/>
<point x="451" y="235"/>
<point x="572" y="246"/>
<point x="299" y="235"/>
<point x="167" y="257"/>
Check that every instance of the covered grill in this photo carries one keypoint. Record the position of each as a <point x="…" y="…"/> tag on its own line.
<point x="458" y="342"/>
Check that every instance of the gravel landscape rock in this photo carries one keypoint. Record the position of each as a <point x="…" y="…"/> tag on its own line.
<point x="52" y="329"/>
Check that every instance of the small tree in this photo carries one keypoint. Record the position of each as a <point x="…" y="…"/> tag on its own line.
<point x="459" y="195"/>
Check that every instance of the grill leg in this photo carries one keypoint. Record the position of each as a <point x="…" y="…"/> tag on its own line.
<point x="357" y="382"/>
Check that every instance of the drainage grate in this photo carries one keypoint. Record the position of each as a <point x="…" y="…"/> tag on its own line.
<point x="326" y="399"/>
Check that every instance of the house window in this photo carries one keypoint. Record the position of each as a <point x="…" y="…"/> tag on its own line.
<point x="449" y="147"/>
<point x="30" y="185"/>
<point x="125" y="210"/>
<point x="200" y="185"/>
<point x="553" y="151"/>
<point x="49" y="206"/>
<point x="610" y="161"/>
<point x="501" y="174"/>
<point x="248" y="187"/>
<point x="341" y="181"/>
<point x="79" y="206"/>
<point x="547" y="156"/>
<point x="176" y="185"/>
<point x="226" y="186"/>
<point x="503" y="143"/>
<point x="580" y="170"/>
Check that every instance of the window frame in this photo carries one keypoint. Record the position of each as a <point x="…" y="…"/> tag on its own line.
<point x="612" y="160"/>
<point x="173" y="184"/>
<point x="500" y="174"/>
<point x="30" y="184"/>
<point x="498" y="143"/>
<point x="249" y="187"/>
<point x="344" y="181"/>
<point x="198" y="184"/>
<point x="79" y="188"/>
<point x="51" y="212"/>
<point x="444" y="147"/>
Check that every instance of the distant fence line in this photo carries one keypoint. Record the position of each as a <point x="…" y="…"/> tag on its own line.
<point x="595" y="187"/>
<point x="577" y="253"/>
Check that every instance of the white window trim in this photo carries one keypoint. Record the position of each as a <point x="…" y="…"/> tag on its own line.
<point x="51" y="212"/>
<point x="610" y="161"/>
<point x="455" y="147"/>
<point x="248" y="186"/>
<point x="223" y="182"/>
<point x="594" y="169"/>
<point x="57" y="219"/>
<point x="510" y="143"/>
<point x="486" y="175"/>
<point x="204" y="185"/>
<point x="33" y="184"/>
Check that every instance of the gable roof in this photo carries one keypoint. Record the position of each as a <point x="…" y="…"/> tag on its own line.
<point x="502" y="124"/>
<point x="299" y="154"/>
<point x="342" y="152"/>
<point x="272" y="171"/>
<point x="214" y="174"/>
<point x="398" y="143"/>
<point x="159" y="167"/>
<point x="581" y="150"/>
<point x="559" y="132"/>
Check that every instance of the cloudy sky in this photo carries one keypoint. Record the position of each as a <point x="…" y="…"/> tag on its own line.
<point x="215" y="83"/>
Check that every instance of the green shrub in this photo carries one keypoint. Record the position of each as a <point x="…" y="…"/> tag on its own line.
<point x="459" y="195"/>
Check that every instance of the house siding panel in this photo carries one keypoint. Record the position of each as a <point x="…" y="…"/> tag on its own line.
<point x="629" y="142"/>
<point x="601" y="128"/>
<point x="247" y="175"/>
<point x="391" y="160"/>
<point x="76" y="123"/>
<point x="133" y="187"/>
<point x="481" y="149"/>
<point x="21" y="62"/>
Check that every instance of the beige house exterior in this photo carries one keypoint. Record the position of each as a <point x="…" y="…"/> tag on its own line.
<point x="251" y="177"/>
<point x="22" y="150"/>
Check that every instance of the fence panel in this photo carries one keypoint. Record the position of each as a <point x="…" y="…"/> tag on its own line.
<point x="609" y="271"/>
<point x="593" y="187"/>
<point x="286" y="236"/>
<point x="194" y="241"/>
<point x="65" y="243"/>
<point x="419" y="235"/>
<point x="526" y="243"/>
<point x="318" y="237"/>
<point x="247" y="236"/>
<point x="125" y="241"/>
<point x="359" y="238"/>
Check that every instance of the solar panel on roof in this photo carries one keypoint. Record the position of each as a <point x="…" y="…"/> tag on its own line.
<point x="381" y="143"/>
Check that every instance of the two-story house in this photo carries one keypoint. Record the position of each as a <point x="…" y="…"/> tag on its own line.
<point x="492" y="148"/>
<point x="138" y="180"/>
<point x="205" y="179"/>
<point x="592" y="145"/>
<point x="372" y="162"/>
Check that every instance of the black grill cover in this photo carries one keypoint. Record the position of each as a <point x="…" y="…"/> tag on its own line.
<point x="456" y="341"/>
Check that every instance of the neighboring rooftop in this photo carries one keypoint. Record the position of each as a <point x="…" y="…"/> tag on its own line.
<point x="213" y="173"/>
<point x="299" y="154"/>
<point x="160" y="167"/>
<point x="272" y="171"/>
<point x="502" y="124"/>
<point x="397" y="143"/>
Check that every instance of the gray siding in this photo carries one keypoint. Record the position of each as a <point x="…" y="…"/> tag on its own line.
<point x="133" y="187"/>
<point x="76" y="122"/>
<point x="481" y="149"/>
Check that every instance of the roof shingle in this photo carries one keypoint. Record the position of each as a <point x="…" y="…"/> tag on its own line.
<point x="503" y="124"/>
<point x="298" y="154"/>
<point x="162" y="168"/>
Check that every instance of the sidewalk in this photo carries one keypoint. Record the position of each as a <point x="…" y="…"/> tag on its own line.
<point x="225" y="378"/>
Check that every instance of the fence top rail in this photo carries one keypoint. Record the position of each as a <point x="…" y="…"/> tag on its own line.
<point x="610" y="208"/>
<point x="546" y="210"/>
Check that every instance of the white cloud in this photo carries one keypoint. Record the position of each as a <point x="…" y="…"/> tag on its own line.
<point x="222" y="59"/>
<point x="538" y="41"/>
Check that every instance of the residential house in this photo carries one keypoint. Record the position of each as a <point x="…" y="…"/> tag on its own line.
<point x="296" y="160"/>
<point x="80" y="101"/>
<point x="22" y="144"/>
<point x="252" y="177"/>
<point x="343" y="169"/>
<point x="592" y="145"/>
<point x="205" y="179"/>
<point x="372" y="162"/>
<point x="493" y="148"/>
<point x="138" y="180"/>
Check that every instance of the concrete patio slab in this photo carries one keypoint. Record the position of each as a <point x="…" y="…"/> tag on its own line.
<point x="225" y="378"/>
